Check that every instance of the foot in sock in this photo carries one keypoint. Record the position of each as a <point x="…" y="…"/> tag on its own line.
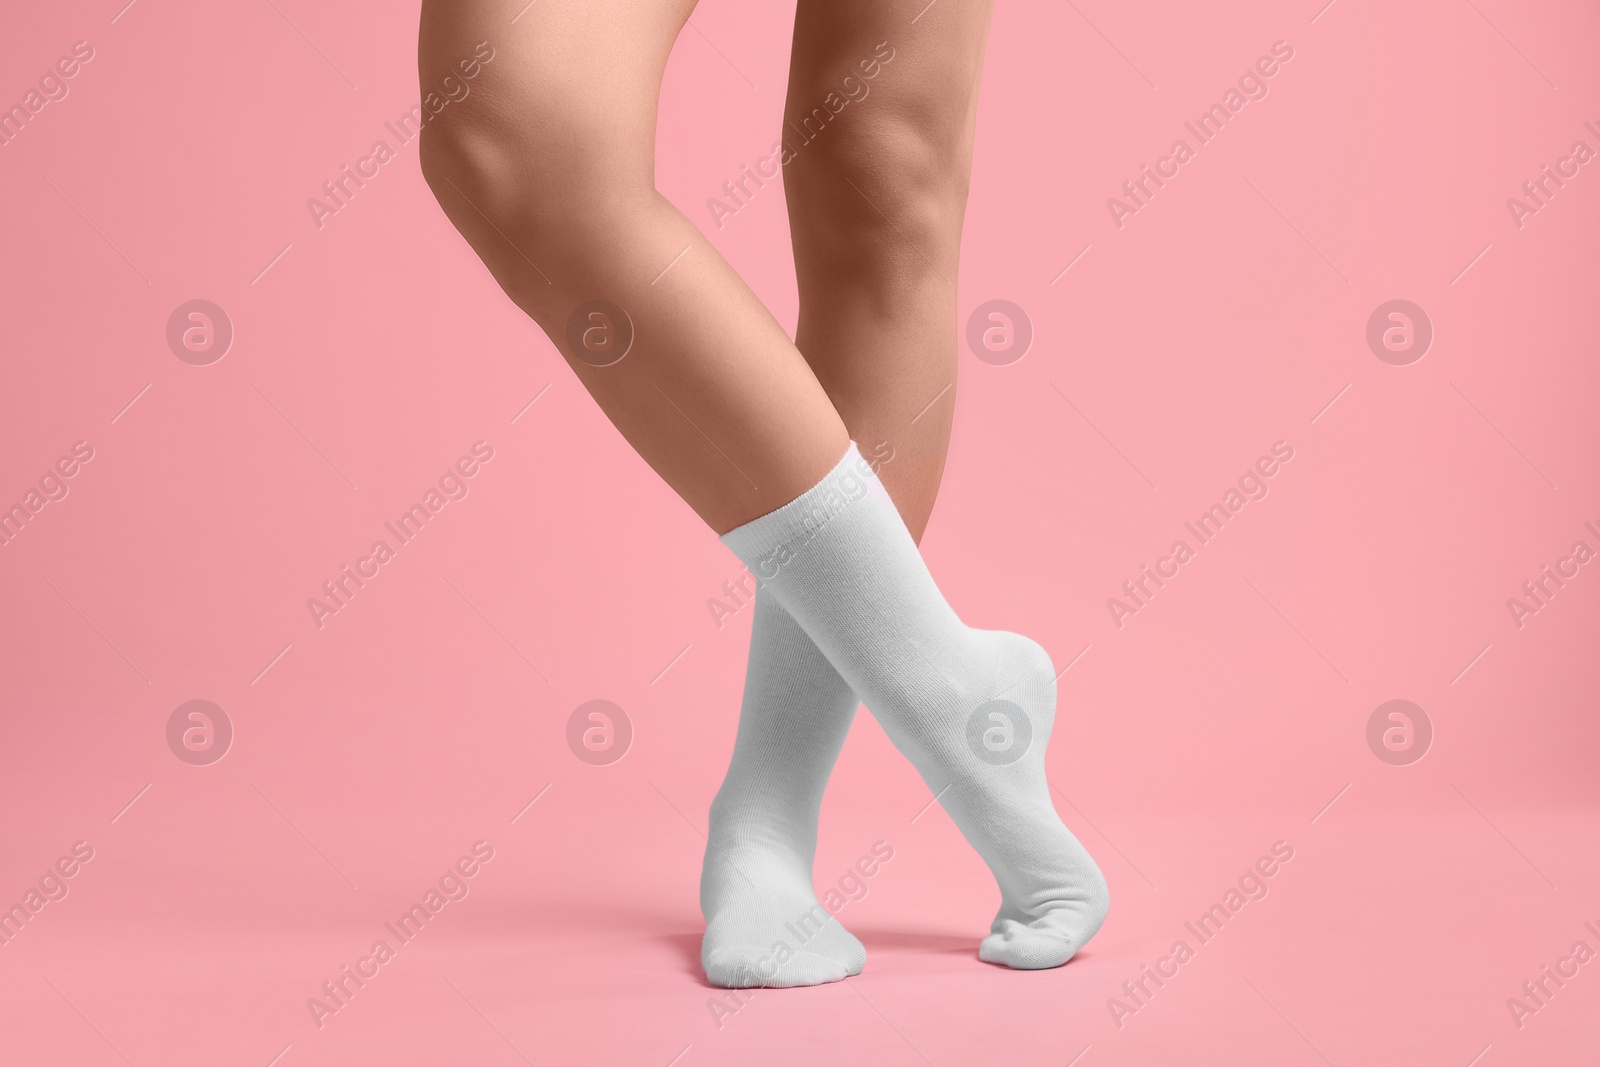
<point x="972" y="709"/>
<point x="755" y="887"/>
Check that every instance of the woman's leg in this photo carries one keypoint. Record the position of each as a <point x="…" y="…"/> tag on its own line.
<point x="547" y="168"/>
<point x="878" y="326"/>
<point x="879" y="127"/>
<point x="877" y="194"/>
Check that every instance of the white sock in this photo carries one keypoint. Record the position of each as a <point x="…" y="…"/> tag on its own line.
<point x="972" y="709"/>
<point x="755" y="886"/>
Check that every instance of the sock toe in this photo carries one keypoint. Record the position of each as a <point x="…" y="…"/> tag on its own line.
<point x="1029" y="948"/>
<point x="741" y="969"/>
<point x="748" y="943"/>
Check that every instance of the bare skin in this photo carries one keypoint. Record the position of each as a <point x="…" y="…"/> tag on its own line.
<point x="876" y="202"/>
<point x="548" y="170"/>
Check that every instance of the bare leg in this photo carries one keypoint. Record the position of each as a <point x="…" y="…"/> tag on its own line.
<point x="877" y="325"/>
<point x="877" y="195"/>
<point x="547" y="168"/>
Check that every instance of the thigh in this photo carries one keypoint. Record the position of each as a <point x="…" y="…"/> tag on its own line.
<point x="886" y="94"/>
<point x="555" y="90"/>
<point x="922" y="62"/>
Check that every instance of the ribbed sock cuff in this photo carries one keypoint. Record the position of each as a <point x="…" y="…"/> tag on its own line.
<point x="767" y="543"/>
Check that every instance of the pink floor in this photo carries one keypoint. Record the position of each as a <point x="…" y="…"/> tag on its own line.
<point x="190" y="503"/>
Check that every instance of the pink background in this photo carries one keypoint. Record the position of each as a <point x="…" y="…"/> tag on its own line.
<point x="1225" y="716"/>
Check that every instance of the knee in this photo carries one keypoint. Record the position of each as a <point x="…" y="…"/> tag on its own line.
<point x="874" y="182"/>
<point x="920" y="163"/>
<point x="544" y="184"/>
